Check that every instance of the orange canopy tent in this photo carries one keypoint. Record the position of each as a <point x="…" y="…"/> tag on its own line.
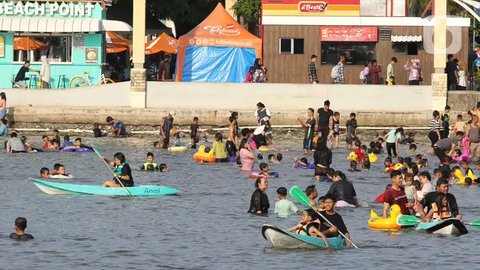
<point x="28" y="43"/>
<point x="117" y="43"/>
<point x="231" y="48"/>
<point x="162" y="43"/>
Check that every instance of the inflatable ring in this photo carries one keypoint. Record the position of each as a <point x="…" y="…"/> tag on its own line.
<point x="263" y="149"/>
<point x="201" y="156"/>
<point x="352" y="156"/>
<point x="380" y="223"/>
<point x="177" y="149"/>
<point x="372" y="158"/>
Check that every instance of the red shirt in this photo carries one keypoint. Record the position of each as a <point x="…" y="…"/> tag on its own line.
<point x="397" y="197"/>
<point x="359" y="154"/>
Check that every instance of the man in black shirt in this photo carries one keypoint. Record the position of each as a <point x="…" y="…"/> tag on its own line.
<point x="450" y="69"/>
<point x="19" y="234"/>
<point x="259" y="202"/>
<point x="342" y="190"/>
<point x="19" y="79"/>
<point x="324" y="120"/>
<point x="431" y="198"/>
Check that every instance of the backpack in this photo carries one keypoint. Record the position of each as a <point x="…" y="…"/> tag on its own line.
<point x="335" y="72"/>
<point x="362" y="76"/>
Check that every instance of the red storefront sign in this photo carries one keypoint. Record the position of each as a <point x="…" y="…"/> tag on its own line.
<point x="349" y="33"/>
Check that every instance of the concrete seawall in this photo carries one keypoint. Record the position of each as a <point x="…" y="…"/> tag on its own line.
<point x="375" y="105"/>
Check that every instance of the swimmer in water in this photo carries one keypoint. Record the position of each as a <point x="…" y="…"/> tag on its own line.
<point x="163" y="168"/>
<point x="20" y="226"/>
<point x="44" y="173"/>
<point x="122" y="172"/>
<point x="150" y="165"/>
<point x="59" y="169"/>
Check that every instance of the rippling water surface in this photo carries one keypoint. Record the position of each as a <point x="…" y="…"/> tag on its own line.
<point x="206" y="227"/>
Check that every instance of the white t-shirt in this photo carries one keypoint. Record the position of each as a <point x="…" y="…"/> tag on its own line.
<point x="284" y="208"/>
<point x="427" y="188"/>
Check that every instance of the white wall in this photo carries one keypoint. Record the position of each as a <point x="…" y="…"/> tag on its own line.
<point x="213" y="97"/>
<point x="288" y="97"/>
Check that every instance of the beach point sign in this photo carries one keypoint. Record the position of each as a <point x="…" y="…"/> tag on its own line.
<point x="46" y="9"/>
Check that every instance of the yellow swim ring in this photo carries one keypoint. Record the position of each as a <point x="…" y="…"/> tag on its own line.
<point x="372" y="158"/>
<point x="380" y="223"/>
<point x="352" y="156"/>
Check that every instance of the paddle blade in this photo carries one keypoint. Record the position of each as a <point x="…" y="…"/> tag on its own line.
<point x="407" y="220"/>
<point x="298" y="194"/>
<point x="475" y="223"/>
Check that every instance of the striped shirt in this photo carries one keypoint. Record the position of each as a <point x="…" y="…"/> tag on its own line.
<point x="435" y="124"/>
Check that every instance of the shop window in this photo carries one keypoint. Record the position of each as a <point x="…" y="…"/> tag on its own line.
<point x="356" y="53"/>
<point x="291" y="45"/>
<point x="408" y="48"/>
<point x="57" y="48"/>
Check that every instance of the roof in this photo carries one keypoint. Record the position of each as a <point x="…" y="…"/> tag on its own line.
<point x="220" y="29"/>
<point x="56" y="25"/>
<point x="163" y="43"/>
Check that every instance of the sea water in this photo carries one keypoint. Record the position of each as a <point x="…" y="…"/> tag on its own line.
<point x="207" y="225"/>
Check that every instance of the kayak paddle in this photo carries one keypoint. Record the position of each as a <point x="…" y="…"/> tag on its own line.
<point x="302" y="198"/>
<point x="106" y="164"/>
<point x="408" y="220"/>
<point x="474" y="223"/>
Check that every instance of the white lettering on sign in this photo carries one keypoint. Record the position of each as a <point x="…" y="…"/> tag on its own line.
<point x="52" y="9"/>
<point x="228" y="30"/>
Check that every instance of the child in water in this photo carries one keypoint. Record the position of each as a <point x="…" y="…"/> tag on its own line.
<point x="265" y="171"/>
<point x="353" y="166"/>
<point x="66" y="142"/>
<point x="219" y="149"/>
<point x="272" y="158"/>
<point x="59" y="171"/>
<point x="351" y="130"/>
<point x="44" y="173"/>
<point x="303" y="163"/>
<point x="163" y="167"/>
<point x="150" y="165"/>
<point x="284" y="207"/>
<point x="20" y="226"/>
<point x="194" y="133"/>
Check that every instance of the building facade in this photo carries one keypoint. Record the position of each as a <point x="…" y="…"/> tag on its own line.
<point x="363" y="30"/>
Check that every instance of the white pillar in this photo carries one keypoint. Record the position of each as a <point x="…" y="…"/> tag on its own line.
<point x="439" y="78"/>
<point x="138" y="77"/>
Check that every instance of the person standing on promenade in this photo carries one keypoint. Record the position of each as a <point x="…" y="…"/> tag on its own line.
<point x="390" y="72"/>
<point x="45" y="72"/>
<point x="451" y="69"/>
<point x="414" y="72"/>
<point x="375" y="71"/>
<point x="324" y="120"/>
<point x="338" y="71"/>
<point x="165" y="129"/>
<point x="312" y="70"/>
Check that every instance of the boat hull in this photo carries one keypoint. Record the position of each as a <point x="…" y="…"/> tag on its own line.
<point x="287" y="240"/>
<point x="54" y="188"/>
<point x="447" y="227"/>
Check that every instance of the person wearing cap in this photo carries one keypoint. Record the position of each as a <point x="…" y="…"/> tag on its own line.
<point x="309" y="226"/>
<point x="167" y="125"/>
<point x="432" y="197"/>
<point x="395" y="195"/>
<point x="117" y="127"/>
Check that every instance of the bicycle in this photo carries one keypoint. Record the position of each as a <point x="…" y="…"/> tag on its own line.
<point x="84" y="80"/>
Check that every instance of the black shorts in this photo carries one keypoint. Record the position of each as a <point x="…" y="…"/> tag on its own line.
<point x="125" y="183"/>
<point x="319" y="171"/>
<point x="324" y="131"/>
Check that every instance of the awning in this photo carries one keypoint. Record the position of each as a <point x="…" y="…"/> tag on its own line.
<point x="28" y="43"/>
<point x="163" y="43"/>
<point x="116" y="43"/>
<point x="55" y="25"/>
<point x="406" y="38"/>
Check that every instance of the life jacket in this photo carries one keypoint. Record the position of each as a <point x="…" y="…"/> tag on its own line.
<point x="118" y="169"/>
<point x="150" y="166"/>
<point x="303" y="229"/>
